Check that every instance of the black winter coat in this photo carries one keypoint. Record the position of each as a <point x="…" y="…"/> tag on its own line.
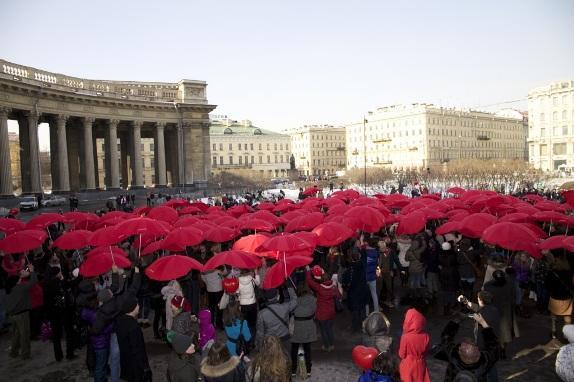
<point x="133" y="356"/>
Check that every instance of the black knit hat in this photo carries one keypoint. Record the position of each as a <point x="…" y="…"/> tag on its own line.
<point x="129" y="304"/>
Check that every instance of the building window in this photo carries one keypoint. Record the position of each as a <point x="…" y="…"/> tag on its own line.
<point x="260" y="147"/>
<point x="151" y="147"/>
<point x="281" y="158"/>
<point x="252" y="159"/>
<point x="239" y="146"/>
<point x="231" y="146"/>
<point x="260" y="159"/>
<point x="240" y="159"/>
<point x="268" y="158"/>
<point x="268" y="146"/>
<point x="543" y="132"/>
<point x="221" y="160"/>
<point x="559" y="149"/>
<point x="246" y="160"/>
<point x="214" y="147"/>
<point x="275" y="158"/>
<point x="281" y="146"/>
<point x="221" y="147"/>
<point x="215" y="161"/>
<point x="287" y="145"/>
<point x="543" y="150"/>
<point x="275" y="147"/>
<point x="564" y="130"/>
<point x="230" y="159"/>
<point x="251" y="146"/>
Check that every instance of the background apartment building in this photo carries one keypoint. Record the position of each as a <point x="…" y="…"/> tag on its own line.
<point x="241" y="146"/>
<point x="417" y="136"/>
<point x="551" y="126"/>
<point x="319" y="150"/>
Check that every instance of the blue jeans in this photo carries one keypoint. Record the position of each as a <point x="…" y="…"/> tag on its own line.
<point x="373" y="288"/>
<point x="100" y="371"/>
<point x="114" y="358"/>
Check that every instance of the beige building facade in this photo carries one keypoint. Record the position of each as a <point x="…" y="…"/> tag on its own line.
<point x="319" y="150"/>
<point x="80" y="111"/>
<point x="551" y="126"/>
<point x="417" y="136"/>
<point x="239" y="145"/>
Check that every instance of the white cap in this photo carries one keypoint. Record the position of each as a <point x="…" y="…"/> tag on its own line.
<point x="76" y="272"/>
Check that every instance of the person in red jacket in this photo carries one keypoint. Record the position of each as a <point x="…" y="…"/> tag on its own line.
<point x="326" y="291"/>
<point x="413" y="348"/>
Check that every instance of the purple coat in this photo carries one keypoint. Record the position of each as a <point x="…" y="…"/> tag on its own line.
<point x="102" y="339"/>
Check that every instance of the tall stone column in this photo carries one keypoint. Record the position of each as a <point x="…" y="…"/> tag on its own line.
<point x="160" y="167"/>
<point x="63" y="172"/>
<point x="89" y="154"/>
<point x="181" y="168"/>
<point x="113" y="154"/>
<point x="206" y="152"/>
<point x="6" y="188"/>
<point x="137" y="181"/>
<point x="35" y="183"/>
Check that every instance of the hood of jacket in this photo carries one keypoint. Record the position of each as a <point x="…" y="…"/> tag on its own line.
<point x="204" y="317"/>
<point x="375" y="324"/>
<point x="328" y="284"/>
<point x="220" y="370"/>
<point x="171" y="289"/>
<point x="414" y="321"/>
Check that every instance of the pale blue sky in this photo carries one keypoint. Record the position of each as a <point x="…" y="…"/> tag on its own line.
<point x="287" y="63"/>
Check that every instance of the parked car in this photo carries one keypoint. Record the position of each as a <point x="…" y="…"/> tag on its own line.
<point x="53" y="200"/>
<point x="28" y="203"/>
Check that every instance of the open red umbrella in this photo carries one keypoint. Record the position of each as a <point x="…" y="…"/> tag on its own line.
<point x="221" y="234"/>
<point x="9" y="226"/>
<point x="251" y="243"/>
<point x="532" y="197"/>
<point x="516" y="217"/>
<point x="433" y="214"/>
<point x="278" y="273"/>
<point x="186" y="221"/>
<point x="44" y="220"/>
<point x="473" y="225"/>
<point x="332" y="202"/>
<point x="101" y="263"/>
<point x="331" y="234"/>
<point x="285" y="242"/>
<point x="163" y="213"/>
<point x="511" y="236"/>
<point x="175" y="203"/>
<point x="239" y="210"/>
<point x="536" y="230"/>
<point x="22" y="241"/>
<point x="189" y="210"/>
<point x="109" y="222"/>
<point x="116" y="214"/>
<point x="267" y="216"/>
<point x="370" y="219"/>
<point x="305" y="223"/>
<point x="256" y="225"/>
<point x="73" y="240"/>
<point x="182" y="237"/>
<point x="234" y="258"/>
<point x="554" y="242"/>
<point x="338" y="210"/>
<point x="547" y="205"/>
<point x="311" y="191"/>
<point x="106" y="236"/>
<point x="142" y="211"/>
<point x="288" y="216"/>
<point x="265" y="206"/>
<point x="80" y="220"/>
<point x="152" y="247"/>
<point x="172" y="267"/>
<point x="309" y="237"/>
<point x="107" y="250"/>
<point x="448" y="227"/>
<point x="411" y="223"/>
<point x="137" y="226"/>
<point x="285" y="207"/>
<point x="551" y="217"/>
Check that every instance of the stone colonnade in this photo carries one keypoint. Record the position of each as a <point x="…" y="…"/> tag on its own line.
<point x="74" y="163"/>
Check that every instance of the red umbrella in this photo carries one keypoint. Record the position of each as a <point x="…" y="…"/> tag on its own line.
<point x="182" y="237"/>
<point x="204" y="226"/>
<point x="267" y="216"/>
<point x="106" y="236"/>
<point x="448" y="228"/>
<point x="44" y="220"/>
<point x="554" y="242"/>
<point x="277" y="274"/>
<point x="234" y="258"/>
<point x="411" y="223"/>
<point x="511" y="236"/>
<point x="234" y="224"/>
<point x="174" y="203"/>
<point x="189" y="210"/>
<point x="265" y="206"/>
<point x="257" y="225"/>
<point x="222" y="219"/>
<point x="166" y="214"/>
<point x="432" y="214"/>
<point x="116" y="214"/>
<point x="309" y="237"/>
<point x="107" y="250"/>
<point x="516" y="217"/>
<point x="172" y="267"/>
<point x="239" y="210"/>
<point x="109" y="222"/>
<point x="532" y="197"/>
<point x="311" y="191"/>
<point x="305" y="223"/>
<point x="138" y="226"/>
<point x="286" y="207"/>
<point x="73" y="240"/>
<point x="536" y="231"/>
<point x="473" y="225"/>
<point x="251" y="243"/>
<point x="80" y="220"/>
<point x="142" y="211"/>
<point x="221" y="234"/>
<point x="288" y="216"/>
<point x="528" y="210"/>
<point x="456" y="190"/>
<point x="204" y="207"/>
<point x="550" y="216"/>
<point x="338" y="210"/>
<point x="9" y="226"/>
<point x="143" y="240"/>
<point x="285" y="242"/>
<point x="102" y="263"/>
<point x="332" y="202"/>
<point x="22" y="241"/>
<point x="331" y="234"/>
<point x="152" y="247"/>
<point x="186" y="221"/>
<point x="371" y="220"/>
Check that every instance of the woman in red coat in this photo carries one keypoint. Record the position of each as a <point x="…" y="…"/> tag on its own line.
<point x="413" y="347"/>
<point x="326" y="291"/>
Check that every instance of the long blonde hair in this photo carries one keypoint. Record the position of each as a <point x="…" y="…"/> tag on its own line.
<point x="272" y="362"/>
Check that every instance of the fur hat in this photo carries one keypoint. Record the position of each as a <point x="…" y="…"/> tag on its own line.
<point x="468" y="352"/>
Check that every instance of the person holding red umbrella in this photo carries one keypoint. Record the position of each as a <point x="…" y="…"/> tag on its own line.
<point x="326" y="292"/>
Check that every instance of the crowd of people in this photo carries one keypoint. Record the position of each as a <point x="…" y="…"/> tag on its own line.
<point x="222" y="325"/>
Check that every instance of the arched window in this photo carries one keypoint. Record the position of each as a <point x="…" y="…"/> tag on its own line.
<point x="227" y="131"/>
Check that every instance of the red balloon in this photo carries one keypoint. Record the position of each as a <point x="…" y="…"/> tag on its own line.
<point x="363" y="356"/>
<point x="230" y="285"/>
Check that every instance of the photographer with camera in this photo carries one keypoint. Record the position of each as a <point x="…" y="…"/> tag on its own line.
<point x="488" y="311"/>
<point x="465" y="359"/>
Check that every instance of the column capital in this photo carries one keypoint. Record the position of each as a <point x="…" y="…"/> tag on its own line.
<point x="31" y="114"/>
<point x="62" y="118"/>
<point x="114" y="122"/>
<point x="89" y="120"/>
<point x="137" y="124"/>
<point x="160" y="125"/>
<point x="4" y="111"/>
<point x="187" y="124"/>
